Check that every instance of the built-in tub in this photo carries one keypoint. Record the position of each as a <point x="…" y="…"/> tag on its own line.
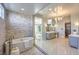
<point x="23" y="43"/>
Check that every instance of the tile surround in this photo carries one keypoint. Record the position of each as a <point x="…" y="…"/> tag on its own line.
<point x="19" y="26"/>
<point x="2" y="34"/>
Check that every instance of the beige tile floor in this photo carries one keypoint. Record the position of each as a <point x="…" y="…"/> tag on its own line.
<point x="33" y="51"/>
<point x="58" y="46"/>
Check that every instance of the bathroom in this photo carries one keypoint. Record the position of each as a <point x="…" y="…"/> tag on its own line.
<point x="16" y="31"/>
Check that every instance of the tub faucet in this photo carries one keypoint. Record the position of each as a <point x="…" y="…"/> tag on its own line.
<point x="10" y="43"/>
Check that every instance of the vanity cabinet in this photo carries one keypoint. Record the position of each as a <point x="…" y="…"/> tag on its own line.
<point x="74" y="41"/>
<point x="50" y="35"/>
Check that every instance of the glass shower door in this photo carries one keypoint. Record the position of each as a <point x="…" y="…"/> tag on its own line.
<point x="38" y="28"/>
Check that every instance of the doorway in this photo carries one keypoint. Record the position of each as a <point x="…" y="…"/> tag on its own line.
<point x="67" y="29"/>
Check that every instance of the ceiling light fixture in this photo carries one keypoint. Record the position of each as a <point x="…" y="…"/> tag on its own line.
<point x="22" y="9"/>
<point x="58" y="9"/>
<point x="50" y="9"/>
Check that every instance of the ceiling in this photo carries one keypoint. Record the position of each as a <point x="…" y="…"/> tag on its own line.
<point x="29" y="8"/>
<point x="43" y="8"/>
<point x="67" y="9"/>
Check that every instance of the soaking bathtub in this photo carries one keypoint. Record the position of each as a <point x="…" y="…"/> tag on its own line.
<point x="22" y="43"/>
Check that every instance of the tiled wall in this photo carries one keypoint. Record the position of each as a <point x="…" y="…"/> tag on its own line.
<point x="2" y="34"/>
<point x="19" y="26"/>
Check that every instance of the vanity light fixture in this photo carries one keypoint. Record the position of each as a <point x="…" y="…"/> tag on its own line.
<point x="76" y="24"/>
<point x="59" y="18"/>
<point x="45" y="25"/>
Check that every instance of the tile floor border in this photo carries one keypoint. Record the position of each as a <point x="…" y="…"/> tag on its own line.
<point x="40" y="49"/>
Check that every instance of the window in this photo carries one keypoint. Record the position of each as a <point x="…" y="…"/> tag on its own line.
<point x="2" y="14"/>
<point x="38" y="20"/>
<point x="49" y="21"/>
<point x="1" y="11"/>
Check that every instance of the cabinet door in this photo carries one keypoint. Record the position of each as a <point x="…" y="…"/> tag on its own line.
<point x="73" y="41"/>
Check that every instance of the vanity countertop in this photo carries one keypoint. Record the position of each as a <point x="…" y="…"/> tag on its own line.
<point x="74" y="35"/>
<point x="51" y="32"/>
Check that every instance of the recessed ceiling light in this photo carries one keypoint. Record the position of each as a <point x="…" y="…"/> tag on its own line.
<point x="50" y="9"/>
<point x="22" y="9"/>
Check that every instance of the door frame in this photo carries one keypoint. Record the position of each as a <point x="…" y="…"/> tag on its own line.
<point x="65" y="28"/>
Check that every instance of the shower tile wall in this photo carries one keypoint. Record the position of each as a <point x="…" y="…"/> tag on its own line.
<point x="19" y="26"/>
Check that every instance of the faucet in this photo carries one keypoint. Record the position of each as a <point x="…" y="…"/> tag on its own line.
<point x="10" y="43"/>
